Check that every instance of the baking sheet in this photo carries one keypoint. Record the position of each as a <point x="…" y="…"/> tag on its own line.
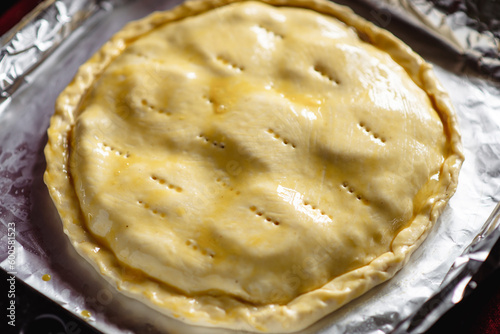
<point x="42" y="248"/>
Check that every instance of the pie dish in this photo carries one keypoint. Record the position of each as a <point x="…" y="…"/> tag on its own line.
<point x="251" y="165"/>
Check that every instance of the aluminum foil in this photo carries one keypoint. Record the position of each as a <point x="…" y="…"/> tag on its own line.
<point x="470" y="28"/>
<point x="24" y="48"/>
<point x="40" y="60"/>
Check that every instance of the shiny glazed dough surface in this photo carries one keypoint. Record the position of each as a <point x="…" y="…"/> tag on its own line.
<point x="253" y="166"/>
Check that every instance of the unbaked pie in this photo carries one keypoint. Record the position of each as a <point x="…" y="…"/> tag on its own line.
<point x="251" y="165"/>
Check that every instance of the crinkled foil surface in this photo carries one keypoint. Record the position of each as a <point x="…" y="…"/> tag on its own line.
<point x="470" y="27"/>
<point x="38" y="60"/>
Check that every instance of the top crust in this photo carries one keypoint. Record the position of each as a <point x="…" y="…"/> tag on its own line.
<point x="251" y="166"/>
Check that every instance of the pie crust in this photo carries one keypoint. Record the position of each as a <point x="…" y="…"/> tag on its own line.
<point x="248" y="165"/>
